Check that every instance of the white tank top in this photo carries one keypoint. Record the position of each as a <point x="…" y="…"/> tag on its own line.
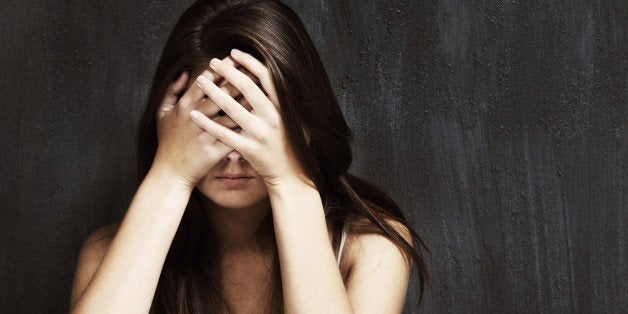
<point x="342" y="243"/>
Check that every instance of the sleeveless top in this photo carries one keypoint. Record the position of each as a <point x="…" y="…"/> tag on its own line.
<point x="342" y="243"/>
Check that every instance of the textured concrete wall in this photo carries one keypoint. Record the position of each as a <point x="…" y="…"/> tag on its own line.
<point x="497" y="125"/>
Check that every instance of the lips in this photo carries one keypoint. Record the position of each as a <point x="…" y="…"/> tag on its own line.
<point x="234" y="176"/>
<point x="234" y="181"/>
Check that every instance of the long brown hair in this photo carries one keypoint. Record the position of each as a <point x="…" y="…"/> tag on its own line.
<point x="271" y="31"/>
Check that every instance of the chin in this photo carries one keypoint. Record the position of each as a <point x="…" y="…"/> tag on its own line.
<point x="246" y="196"/>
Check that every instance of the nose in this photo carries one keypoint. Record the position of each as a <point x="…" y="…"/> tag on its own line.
<point x="234" y="155"/>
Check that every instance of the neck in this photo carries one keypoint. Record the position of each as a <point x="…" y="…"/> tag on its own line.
<point x="237" y="230"/>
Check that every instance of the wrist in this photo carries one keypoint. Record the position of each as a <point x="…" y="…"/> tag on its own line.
<point x="292" y="195"/>
<point x="170" y="177"/>
<point x="290" y="184"/>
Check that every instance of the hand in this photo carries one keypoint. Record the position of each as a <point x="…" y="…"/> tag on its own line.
<point x="262" y="140"/>
<point x="184" y="149"/>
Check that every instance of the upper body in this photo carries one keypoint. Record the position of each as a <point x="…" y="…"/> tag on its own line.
<point x="281" y="150"/>
<point x="372" y="269"/>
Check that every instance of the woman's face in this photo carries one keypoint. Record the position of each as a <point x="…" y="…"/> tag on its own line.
<point x="230" y="193"/>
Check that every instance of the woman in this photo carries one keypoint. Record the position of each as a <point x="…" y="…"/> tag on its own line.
<point x="245" y="203"/>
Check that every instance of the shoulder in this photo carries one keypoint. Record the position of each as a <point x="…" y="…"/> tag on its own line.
<point x="96" y="245"/>
<point x="90" y="256"/>
<point x="360" y="245"/>
<point x="378" y="271"/>
<point x="101" y="235"/>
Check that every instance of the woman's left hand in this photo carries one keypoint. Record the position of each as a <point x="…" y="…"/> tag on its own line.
<point x="262" y="140"/>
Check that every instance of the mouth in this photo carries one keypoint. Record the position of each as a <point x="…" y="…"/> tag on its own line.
<point x="234" y="177"/>
<point x="234" y="181"/>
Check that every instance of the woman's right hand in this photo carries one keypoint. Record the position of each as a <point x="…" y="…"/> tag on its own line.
<point x="185" y="150"/>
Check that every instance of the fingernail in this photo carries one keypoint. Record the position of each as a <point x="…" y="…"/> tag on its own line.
<point x="202" y="79"/>
<point x="214" y="62"/>
<point x="194" y="114"/>
<point x="235" y="52"/>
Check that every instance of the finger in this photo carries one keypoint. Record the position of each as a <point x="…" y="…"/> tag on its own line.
<point x="222" y="149"/>
<point x="171" y="96"/>
<point x="225" y="135"/>
<point x="224" y="119"/>
<point x="218" y="149"/>
<point x="246" y="86"/>
<point x="207" y="106"/>
<point x="226" y="86"/>
<point x="233" y="92"/>
<point x="219" y="80"/>
<point x="230" y="106"/>
<point x="211" y="110"/>
<point x="259" y="70"/>
<point x="195" y="94"/>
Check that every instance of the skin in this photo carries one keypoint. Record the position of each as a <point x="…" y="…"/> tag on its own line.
<point x="234" y="213"/>
<point x="121" y="273"/>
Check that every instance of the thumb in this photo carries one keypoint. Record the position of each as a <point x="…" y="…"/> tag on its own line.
<point x="174" y="89"/>
<point x="179" y="83"/>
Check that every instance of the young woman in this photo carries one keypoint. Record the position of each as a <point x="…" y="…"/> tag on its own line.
<point x="245" y="204"/>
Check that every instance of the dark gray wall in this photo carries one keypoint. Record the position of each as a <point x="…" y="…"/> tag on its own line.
<point x="497" y="125"/>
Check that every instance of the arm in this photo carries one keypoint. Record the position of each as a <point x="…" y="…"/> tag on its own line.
<point x="127" y="278"/>
<point x="311" y="279"/>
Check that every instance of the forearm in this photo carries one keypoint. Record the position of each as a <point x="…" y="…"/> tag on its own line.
<point x="310" y="276"/>
<point x="127" y="277"/>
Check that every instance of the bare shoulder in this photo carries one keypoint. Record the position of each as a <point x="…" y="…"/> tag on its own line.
<point x="90" y="256"/>
<point x="102" y="235"/>
<point x="360" y="244"/>
<point x="378" y="271"/>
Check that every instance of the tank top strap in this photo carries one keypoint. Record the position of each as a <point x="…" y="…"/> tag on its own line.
<point x="342" y="243"/>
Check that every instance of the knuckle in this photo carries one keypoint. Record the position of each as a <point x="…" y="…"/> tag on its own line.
<point x="184" y="114"/>
<point x="274" y="121"/>
<point x="248" y="87"/>
<point x="222" y="67"/>
<point x="247" y="148"/>
<point x="263" y="134"/>
<point x="207" y="149"/>
<point x="219" y="133"/>
<point x="201" y="137"/>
